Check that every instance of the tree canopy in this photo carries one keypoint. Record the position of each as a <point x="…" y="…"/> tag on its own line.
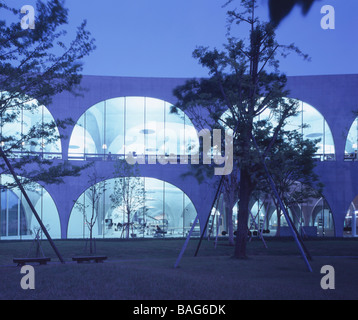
<point x="244" y="81"/>
<point x="35" y="65"/>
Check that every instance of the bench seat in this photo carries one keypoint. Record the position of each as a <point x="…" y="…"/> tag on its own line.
<point x="81" y="259"/>
<point x="23" y="261"/>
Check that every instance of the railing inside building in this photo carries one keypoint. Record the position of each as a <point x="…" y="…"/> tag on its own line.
<point x="35" y="155"/>
<point x="169" y="157"/>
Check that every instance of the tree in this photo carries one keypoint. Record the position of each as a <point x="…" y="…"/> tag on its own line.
<point x="128" y="193"/>
<point x="94" y="194"/>
<point x="231" y="189"/>
<point x="35" y="65"/>
<point x="243" y="82"/>
<point x="291" y="164"/>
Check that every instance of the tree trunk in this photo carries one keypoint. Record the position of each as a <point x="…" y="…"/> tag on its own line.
<point x="230" y="225"/>
<point x="128" y="221"/>
<point x="229" y="214"/>
<point x="91" y="233"/>
<point x="243" y="214"/>
<point x="278" y="231"/>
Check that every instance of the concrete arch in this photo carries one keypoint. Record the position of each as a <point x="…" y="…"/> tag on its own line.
<point x="334" y="96"/>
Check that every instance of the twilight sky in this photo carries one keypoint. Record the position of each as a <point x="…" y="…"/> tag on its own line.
<point x="155" y="38"/>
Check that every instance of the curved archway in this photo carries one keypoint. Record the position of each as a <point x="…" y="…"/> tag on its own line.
<point x="313" y="217"/>
<point x="311" y="124"/>
<point x="139" y="125"/>
<point x="159" y="205"/>
<point x="29" y="128"/>
<point x="16" y="217"/>
<point x="349" y="222"/>
<point x="351" y="148"/>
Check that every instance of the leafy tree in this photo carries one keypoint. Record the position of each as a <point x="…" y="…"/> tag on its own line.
<point x="35" y="65"/>
<point x="128" y="192"/>
<point x="291" y="164"/>
<point x="243" y="82"/>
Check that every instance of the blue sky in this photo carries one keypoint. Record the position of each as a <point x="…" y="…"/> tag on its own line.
<point x="155" y="38"/>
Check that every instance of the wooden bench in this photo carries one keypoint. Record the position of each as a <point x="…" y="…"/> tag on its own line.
<point x="23" y="261"/>
<point x="96" y="259"/>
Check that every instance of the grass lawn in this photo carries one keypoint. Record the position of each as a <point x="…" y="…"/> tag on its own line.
<point x="144" y="270"/>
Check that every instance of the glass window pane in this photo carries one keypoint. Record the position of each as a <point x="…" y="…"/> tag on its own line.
<point x="174" y="125"/>
<point x="329" y="148"/>
<point x="352" y="139"/>
<point x="3" y="218"/>
<point x="55" y="146"/>
<point x="12" y="207"/>
<point x="94" y="122"/>
<point x="165" y="208"/>
<point x="174" y="209"/>
<point x="135" y="127"/>
<point x="32" y="119"/>
<point x="314" y="129"/>
<point x="115" y="126"/>
<point x="154" y="134"/>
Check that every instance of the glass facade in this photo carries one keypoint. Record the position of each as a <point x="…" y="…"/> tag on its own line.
<point x="138" y="125"/>
<point x="351" y="148"/>
<point x="312" y="125"/>
<point x="313" y="217"/>
<point x="18" y="122"/>
<point x="350" y="225"/>
<point x="16" y="217"/>
<point x="116" y="127"/>
<point x="160" y="210"/>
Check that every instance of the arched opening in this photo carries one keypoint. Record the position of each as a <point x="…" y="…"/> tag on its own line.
<point x="312" y="125"/>
<point x="139" y="125"/>
<point x="311" y="217"/>
<point x="350" y="222"/>
<point x="16" y="217"/>
<point x="27" y="128"/>
<point x="351" y="148"/>
<point x="159" y="205"/>
<point x="308" y="122"/>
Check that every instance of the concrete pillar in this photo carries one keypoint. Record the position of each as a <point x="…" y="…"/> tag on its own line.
<point x="354" y="225"/>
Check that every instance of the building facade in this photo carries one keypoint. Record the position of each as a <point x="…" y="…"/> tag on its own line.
<point x="118" y="115"/>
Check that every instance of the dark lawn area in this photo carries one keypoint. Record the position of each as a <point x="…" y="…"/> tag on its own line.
<point x="144" y="270"/>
